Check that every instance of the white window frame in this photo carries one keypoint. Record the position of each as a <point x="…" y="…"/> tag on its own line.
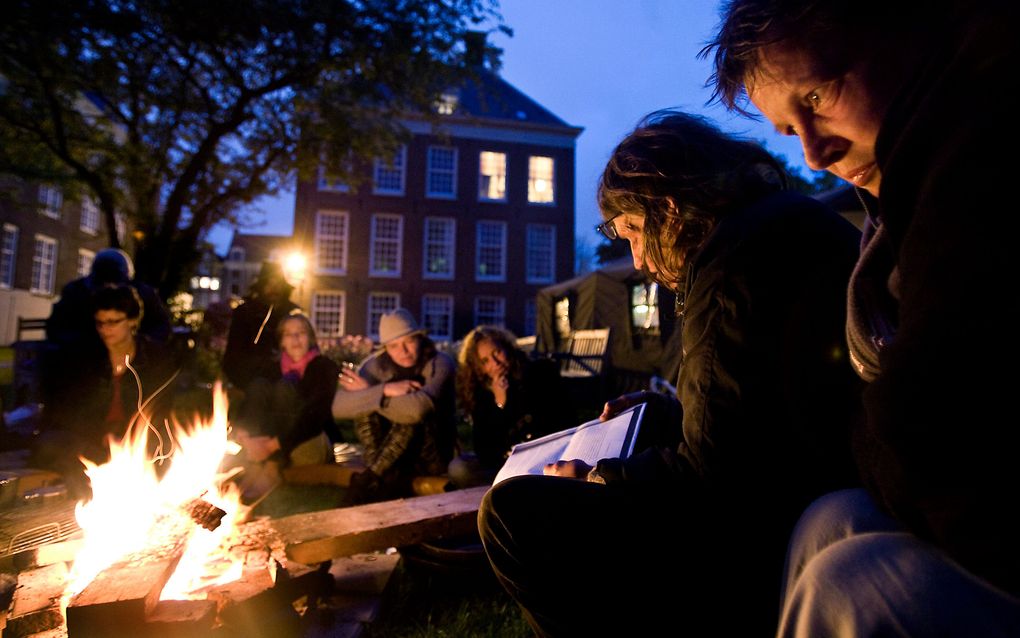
<point x="379" y="303"/>
<point x="447" y="103"/>
<point x="429" y="309"/>
<point x="431" y="170"/>
<point x="89" y="222"/>
<point x="379" y="244"/>
<point x="535" y="179"/>
<point x="321" y="307"/>
<point x="491" y="318"/>
<point x="85" y="259"/>
<point x="483" y="243"/>
<point x="51" y="200"/>
<point x="534" y="271"/>
<point x="485" y="187"/>
<point x="386" y="168"/>
<point x="444" y="249"/>
<point x="44" y="265"/>
<point x="342" y="239"/>
<point x="8" y="255"/>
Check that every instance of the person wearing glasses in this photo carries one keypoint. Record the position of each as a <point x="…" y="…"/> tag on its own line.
<point x="692" y="536"/>
<point x="129" y="388"/>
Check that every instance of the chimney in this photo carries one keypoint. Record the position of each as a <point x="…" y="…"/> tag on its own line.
<point x="474" y="48"/>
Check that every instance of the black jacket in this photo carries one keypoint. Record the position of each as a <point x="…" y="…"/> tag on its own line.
<point x="252" y="345"/>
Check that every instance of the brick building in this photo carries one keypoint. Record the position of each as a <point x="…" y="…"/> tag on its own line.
<point x="462" y="227"/>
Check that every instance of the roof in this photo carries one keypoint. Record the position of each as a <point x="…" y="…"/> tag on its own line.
<point x="258" y="247"/>
<point x="489" y="96"/>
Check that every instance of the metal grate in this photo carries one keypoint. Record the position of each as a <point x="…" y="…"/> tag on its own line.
<point x="30" y="526"/>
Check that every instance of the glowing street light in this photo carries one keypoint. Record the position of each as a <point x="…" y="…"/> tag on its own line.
<point x="295" y="267"/>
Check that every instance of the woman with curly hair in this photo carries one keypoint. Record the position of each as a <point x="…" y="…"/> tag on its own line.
<point x="765" y="398"/>
<point x="507" y="397"/>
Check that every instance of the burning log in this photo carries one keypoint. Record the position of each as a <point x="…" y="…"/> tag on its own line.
<point x="316" y="537"/>
<point x="36" y="604"/>
<point x="204" y="513"/>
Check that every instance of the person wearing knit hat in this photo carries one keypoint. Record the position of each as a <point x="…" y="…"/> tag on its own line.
<point x="403" y="406"/>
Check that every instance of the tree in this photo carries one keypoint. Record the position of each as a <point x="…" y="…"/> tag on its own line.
<point x="177" y="113"/>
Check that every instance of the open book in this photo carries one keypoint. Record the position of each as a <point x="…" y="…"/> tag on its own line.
<point x="590" y="442"/>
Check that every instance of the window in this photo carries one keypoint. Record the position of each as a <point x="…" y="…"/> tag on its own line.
<point x="85" y="259"/>
<point x="441" y="172"/>
<point x="540" y="254"/>
<point x="490" y="311"/>
<point x="440" y="234"/>
<point x="447" y="103"/>
<point x="236" y="254"/>
<point x="89" y="216"/>
<point x="389" y="174"/>
<point x="379" y="303"/>
<point x="8" y="255"/>
<point x="644" y="307"/>
<point x="331" y="242"/>
<point x="328" y="313"/>
<point x="44" y="265"/>
<point x="490" y="255"/>
<point x="384" y="259"/>
<point x="50" y="201"/>
<point x="328" y="182"/>
<point x="492" y="176"/>
<point x="437" y="316"/>
<point x="562" y="310"/>
<point x="540" y="180"/>
<point x="234" y="276"/>
<point x="530" y="317"/>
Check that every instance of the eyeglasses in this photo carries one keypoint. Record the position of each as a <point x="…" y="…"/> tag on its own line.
<point x="100" y="323"/>
<point x="607" y="229"/>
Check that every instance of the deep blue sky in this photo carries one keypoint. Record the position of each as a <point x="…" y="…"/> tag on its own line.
<point x="600" y="65"/>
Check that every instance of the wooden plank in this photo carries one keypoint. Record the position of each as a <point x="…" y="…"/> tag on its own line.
<point x="124" y="594"/>
<point x="181" y="619"/>
<point x="36" y="604"/>
<point x="316" y="537"/>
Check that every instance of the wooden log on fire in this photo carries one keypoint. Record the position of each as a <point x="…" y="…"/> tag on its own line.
<point x="36" y="604"/>
<point x="316" y="537"/>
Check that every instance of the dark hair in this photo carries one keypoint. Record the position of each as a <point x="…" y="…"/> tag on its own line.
<point x="312" y="342"/>
<point x="470" y="375"/>
<point x="123" y="298"/>
<point x="835" y="33"/>
<point x="682" y="174"/>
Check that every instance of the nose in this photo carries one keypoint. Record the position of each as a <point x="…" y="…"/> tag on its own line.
<point x="821" y="150"/>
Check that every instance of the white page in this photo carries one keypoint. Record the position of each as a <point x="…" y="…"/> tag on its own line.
<point x="590" y="442"/>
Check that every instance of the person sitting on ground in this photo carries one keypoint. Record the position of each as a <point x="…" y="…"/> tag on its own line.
<point x="130" y="387"/>
<point x="286" y="418"/>
<point x="403" y="405"/>
<point x="893" y="101"/>
<point x="765" y="400"/>
<point x="252" y="349"/>
<point x="507" y="397"/>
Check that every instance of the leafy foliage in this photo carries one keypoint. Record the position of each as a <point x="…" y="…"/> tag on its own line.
<point x="178" y="113"/>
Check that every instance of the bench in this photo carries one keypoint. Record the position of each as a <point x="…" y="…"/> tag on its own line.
<point x="30" y="324"/>
<point x="586" y="353"/>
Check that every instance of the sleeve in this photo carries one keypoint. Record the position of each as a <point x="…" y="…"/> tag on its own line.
<point x="350" y="404"/>
<point x="412" y="408"/>
<point x="156" y="320"/>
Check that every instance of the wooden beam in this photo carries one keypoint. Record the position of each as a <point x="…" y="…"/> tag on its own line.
<point x="316" y="537"/>
<point x="36" y="604"/>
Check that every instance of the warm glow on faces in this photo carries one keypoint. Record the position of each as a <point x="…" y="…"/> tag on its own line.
<point x="295" y="340"/>
<point x="492" y="359"/>
<point x="631" y="227"/>
<point x="404" y="351"/>
<point x="114" y="328"/>
<point x="836" y="119"/>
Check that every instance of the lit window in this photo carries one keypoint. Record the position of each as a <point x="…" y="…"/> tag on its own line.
<point x="331" y="242"/>
<point x="490" y="256"/>
<point x="492" y="176"/>
<point x="380" y="303"/>
<point x="328" y="313"/>
<point x="437" y="316"/>
<point x="89" y="216"/>
<point x="644" y="307"/>
<point x="44" y="265"/>
<point x="8" y="255"/>
<point x="440" y="242"/>
<point x="441" y="169"/>
<point x="540" y="254"/>
<point x="490" y="311"/>
<point x="384" y="259"/>
<point x="562" y="310"/>
<point x="389" y="174"/>
<point x="85" y="259"/>
<point x="50" y="201"/>
<point x="540" y="180"/>
<point x="447" y="103"/>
